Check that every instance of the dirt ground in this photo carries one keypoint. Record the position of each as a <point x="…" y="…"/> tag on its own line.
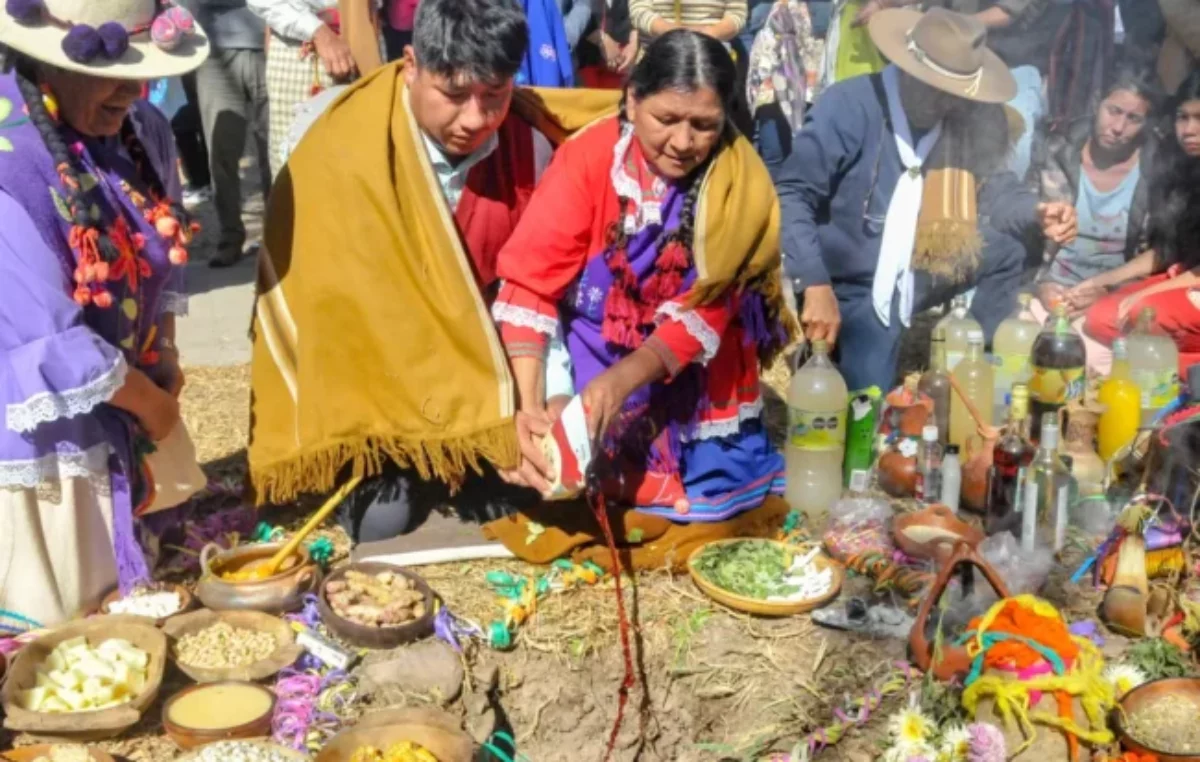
<point x="711" y="684"/>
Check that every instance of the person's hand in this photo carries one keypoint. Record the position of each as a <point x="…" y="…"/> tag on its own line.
<point x="1058" y="221"/>
<point x="532" y="471"/>
<point x="1050" y="294"/>
<point x="1084" y="295"/>
<point x="334" y="53"/>
<point x="820" y="318"/>
<point x="868" y="9"/>
<point x="603" y="399"/>
<point x="628" y="58"/>
<point x="1127" y="304"/>
<point x="159" y="413"/>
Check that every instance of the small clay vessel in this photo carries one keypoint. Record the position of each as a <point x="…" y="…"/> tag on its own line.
<point x="896" y="473"/>
<point x="907" y="409"/>
<point x="277" y="594"/>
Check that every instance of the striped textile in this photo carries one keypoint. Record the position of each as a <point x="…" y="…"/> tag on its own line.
<point x="291" y="77"/>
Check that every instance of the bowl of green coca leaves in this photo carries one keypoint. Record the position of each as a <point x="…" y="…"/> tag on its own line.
<point x="767" y="577"/>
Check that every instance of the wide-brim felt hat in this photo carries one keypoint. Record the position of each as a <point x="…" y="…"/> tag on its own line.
<point x="945" y="50"/>
<point x="159" y="40"/>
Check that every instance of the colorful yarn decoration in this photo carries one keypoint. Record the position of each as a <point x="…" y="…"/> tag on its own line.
<point x="455" y="631"/>
<point x="1027" y="638"/>
<point x="889" y="574"/>
<point x="320" y="551"/>
<point x="520" y="595"/>
<point x="23" y="623"/>
<point x="309" y="694"/>
<point x="264" y="532"/>
<point x="854" y="714"/>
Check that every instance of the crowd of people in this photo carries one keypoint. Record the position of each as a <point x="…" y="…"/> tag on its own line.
<point x="640" y="202"/>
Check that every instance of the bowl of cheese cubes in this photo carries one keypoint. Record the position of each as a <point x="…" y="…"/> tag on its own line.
<point x="87" y="680"/>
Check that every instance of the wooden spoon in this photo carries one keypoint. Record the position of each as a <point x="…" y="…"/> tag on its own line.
<point x="271" y="566"/>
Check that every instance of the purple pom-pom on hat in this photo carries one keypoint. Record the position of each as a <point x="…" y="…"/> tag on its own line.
<point x="25" y="11"/>
<point x="115" y="39"/>
<point x="165" y="34"/>
<point x="82" y="44"/>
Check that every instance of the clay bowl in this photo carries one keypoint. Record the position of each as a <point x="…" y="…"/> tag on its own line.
<point x="380" y="638"/>
<point x="277" y="594"/>
<point x="186" y="601"/>
<point x="756" y="605"/>
<point x="189" y="738"/>
<point x="1184" y="687"/>
<point x="897" y="474"/>
<point x="90" y="725"/>
<point x="433" y="729"/>
<point x="286" y="650"/>
<point x="263" y="743"/>
<point x="944" y="530"/>
<point x="30" y="753"/>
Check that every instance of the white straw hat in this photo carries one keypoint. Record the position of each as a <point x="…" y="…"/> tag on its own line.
<point x="121" y="39"/>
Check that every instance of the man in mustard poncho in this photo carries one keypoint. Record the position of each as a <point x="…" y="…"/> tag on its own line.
<point x="375" y="356"/>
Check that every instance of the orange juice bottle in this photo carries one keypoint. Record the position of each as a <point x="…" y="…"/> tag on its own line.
<point x="1122" y="400"/>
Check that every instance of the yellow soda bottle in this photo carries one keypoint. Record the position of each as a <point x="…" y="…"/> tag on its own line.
<point x="1122" y="401"/>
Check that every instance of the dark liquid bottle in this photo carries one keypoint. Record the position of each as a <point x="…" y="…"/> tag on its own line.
<point x="1059" y="358"/>
<point x="936" y="383"/>
<point x="1012" y="454"/>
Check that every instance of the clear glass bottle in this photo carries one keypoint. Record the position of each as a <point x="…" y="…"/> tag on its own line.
<point x="1154" y="362"/>
<point x="935" y="383"/>
<point x="1012" y="348"/>
<point x="1058" y="369"/>
<point x="1010" y="458"/>
<point x="1047" y="493"/>
<point x="1122" y="401"/>
<point x="951" y="479"/>
<point x="929" y="468"/>
<point x="816" y="437"/>
<point x="954" y="329"/>
<point x="974" y="378"/>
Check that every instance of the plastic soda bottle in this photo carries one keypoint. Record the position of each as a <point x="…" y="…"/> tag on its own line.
<point x="1122" y="401"/>
<point x="816" y="436"/>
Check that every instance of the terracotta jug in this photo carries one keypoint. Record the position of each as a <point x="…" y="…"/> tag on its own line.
<point x="977" y="460"/>
<point x="1082" y="420"/>
<point x="907" y="409"/>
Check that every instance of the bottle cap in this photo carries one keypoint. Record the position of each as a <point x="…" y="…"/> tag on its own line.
<point x="930" y="433"/>
<point x="820" y="347"/>
<point x="1118" y="348"/>
<point x="975" y="336"/>
<point x="952" y="449"/>
<point x="1050" y="431"/>
<point x="1024" y="298"/>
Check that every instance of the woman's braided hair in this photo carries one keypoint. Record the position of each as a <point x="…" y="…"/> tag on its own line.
<point x="75" y="195"/>
<point x="685" y="61"/>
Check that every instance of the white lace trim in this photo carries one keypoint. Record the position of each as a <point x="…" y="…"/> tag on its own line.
<point x="175" y="303"/>
<point x="50" y="406"/>
<point x="747" y="411"/>
<point x="54" y="467"/>
<point x="645" y="212"/>
<point x="524" y="317"/>
<point x="696" y="327"/>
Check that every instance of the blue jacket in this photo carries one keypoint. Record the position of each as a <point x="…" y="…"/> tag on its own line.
<point x="835" y="188"/>
<point x="548" y="60"/>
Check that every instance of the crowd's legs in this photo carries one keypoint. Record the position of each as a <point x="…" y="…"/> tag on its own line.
<point x="188" y="129"/>
<point x="233" y="96"/>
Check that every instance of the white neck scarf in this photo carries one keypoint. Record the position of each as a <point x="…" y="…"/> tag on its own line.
<point x="894" y="271"/>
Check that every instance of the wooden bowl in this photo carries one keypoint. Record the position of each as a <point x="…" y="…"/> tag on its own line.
<point x="433" y="729"/>
<point x="189" y="738"/>
<point x="286" y="650"/>
<point x="767" y="608"/>
<point x="281" y="750"/>
<point x="30" y="753"/>
<point x="946" y="530"/>
<point x="282" y="592"/>
<point x="376" y="637"/>
<point x="91" y="725"/>
<point x="186" y="601"/>
<point x="1185" y="687"/>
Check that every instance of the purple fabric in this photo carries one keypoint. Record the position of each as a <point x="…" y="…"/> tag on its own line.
<point x="49" y="345"/>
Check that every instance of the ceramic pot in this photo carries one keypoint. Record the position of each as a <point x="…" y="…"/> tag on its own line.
<point x="897" y="474"/>
<point x="908" y="410"/>
<point x="977" y="463"/>
<point x="277" y="594"/>
<point x="1086" y="465"/>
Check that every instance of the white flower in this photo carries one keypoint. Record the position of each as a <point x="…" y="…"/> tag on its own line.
<point x="916" y="753"/>
<point x="956" y="742"/>
<point x="910" y="727"/>
<point x="1124" y="678"/>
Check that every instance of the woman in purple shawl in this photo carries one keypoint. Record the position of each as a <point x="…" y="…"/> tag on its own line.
<point x="91" y="248"/>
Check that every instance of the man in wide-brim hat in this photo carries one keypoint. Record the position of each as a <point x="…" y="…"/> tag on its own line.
<point x="894" y="198"/>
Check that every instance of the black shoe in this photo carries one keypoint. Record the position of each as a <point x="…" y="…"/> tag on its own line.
<point x="227" y="258"/>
